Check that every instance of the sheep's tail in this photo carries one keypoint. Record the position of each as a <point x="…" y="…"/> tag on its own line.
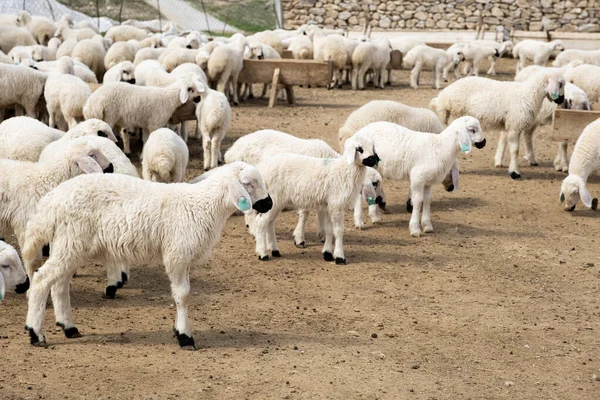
<point x="436" y="106"/>
<point x="162" y="167"/>
<point x="39" y="232"/>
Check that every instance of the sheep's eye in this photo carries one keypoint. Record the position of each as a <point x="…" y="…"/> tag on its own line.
<point x="359" y="149"/>
<point x="6" y="266"/>
<point x="375" y="184"/>
<point x="560" y="85"/>
<point x="189" y="89"/>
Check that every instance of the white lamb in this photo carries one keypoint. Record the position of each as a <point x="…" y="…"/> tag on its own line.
<point x="331" y="48"/>
<point x="373" y="55"/>
<point x="92" y="52"/>
<point x="301" y="47"/>
<point x="213" y="114"/>
<point x="123" y="33"/>
<point x="291" y="180"/>
<point x="269" y="38"/>
<point x="119" y="52"/>
<point x="65" y="32"/>
<point x="570" y="55"/>
<point x="41" y="28"/>
<point x="437" y="60"/>
<point x="473" y="54"/>
<point x="502" y="48"/>
<point x="422" y="158"/>
<point x="122" y="72"/>
<point x="165" y="157"/>
<point x="22" y="86"/>
<point x="584" y="161"/>
<point x="12" y="274"/>
<point x="225" y="64"/>
<point x="536" y="51"/>
<point x="66" y="48"/>
<point x="172" y="58"/>
<point x="509" y="106"/>
<point x="83" y="222"/>
<point x="587" y="77"/>
<point x="148" y="54"/>
<point x="11" y="36"/>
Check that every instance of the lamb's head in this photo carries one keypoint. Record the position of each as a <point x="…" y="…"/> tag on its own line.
<point x="190" y="87"/>
<point x="202" y="59"/>
<point x="468" y="132"/>
<point x="555" y="88"/>
<point x="360" y="149"/>
<point x="576" y="98"/>
<point x="87" y="158"/>
<point x="92" y="127"/>
<point x="12" y="274"/>
<point x="192" y="40"/>
<point x="38" y="52"/>
<point x="23" y="19"/>
<point x="557" y="45"/>
<point x="506" y="46"/>
<point x="251" y="183"/>
<point x="572" y="190"/>
<point x="457" y="55"/>
<point x="126" y="71"/>
<point x="372" y="192"/>
<point x="256" y="51"/>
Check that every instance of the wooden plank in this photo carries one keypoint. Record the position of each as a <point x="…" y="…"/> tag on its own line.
<point x="287" y="55"/>
<point x="273" y="94"/>
<point x="289" y="91"/>
<point x="568" y="124"/>
<point x="395" y="60"/>
<point x="292" y="72"/>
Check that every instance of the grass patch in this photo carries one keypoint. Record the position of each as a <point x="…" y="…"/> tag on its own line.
<point x="132" y="9"/>
<point x="247" y="15"/>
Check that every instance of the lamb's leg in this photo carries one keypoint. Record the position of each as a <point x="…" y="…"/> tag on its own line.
<point x="438" y="77"/>
<point x="215" y="144"/>
<point x="125" y="138"/>
<point x="328" y="246"/>
<point x="299" y="240"/>
<point x="389" y="76"/>
<point x="374" y="213"/>
<point x="61" y="301"/>
<point x="513" y="146"/>
<point x="445" y="72"/>
<point x="361" y="76"/>
<point x="322" y="218"/>
<point x="184" y="131"/>
<point x="414" y="75"/>
<point x="206" y="145"/>
<point x="382" y="78"/>
<point x="475" y="70"/>
<point x="358" y="212"/>
<point x="426" y="218"/>
<point x="234" y="87"/>
<point x="124" y="273"/>
<point x="529" y="153"/>
<point x="264" y="90"/>
<point x="262" y="225"/>
<point x="499" y="157"/>
<point x="272" y="240"/>
<point x="409" y="204"/>
<point x="180" y="288"/>
<point x="355" y="78"/>
<point x="417" y="201"/>
<point x="71" y="121"/>
<point x="492" y="70"/>
<point x="561" y="162"/>
<point x="113" y="278"/>
<point x="337" y="221"/>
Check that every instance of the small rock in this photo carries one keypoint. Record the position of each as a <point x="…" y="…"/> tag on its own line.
<point x="595" y="377"/>
<point x="509" y="383"/>
<point x="374" y="335"/>
<point x="353" y="333"/>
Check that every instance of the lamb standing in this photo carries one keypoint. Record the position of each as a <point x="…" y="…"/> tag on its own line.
<point x="164" y="157"/>
<point x="213" y="114"/>
<point x="536" y="51"/>
<point x="437" y="60"/>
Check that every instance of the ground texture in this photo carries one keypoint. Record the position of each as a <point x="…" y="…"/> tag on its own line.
<point x="501" y="302"/>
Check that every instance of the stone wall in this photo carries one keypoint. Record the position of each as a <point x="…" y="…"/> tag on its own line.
<point x="533" y="15"/>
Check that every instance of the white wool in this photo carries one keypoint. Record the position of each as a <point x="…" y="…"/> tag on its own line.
<point x="225" y="63"/>
<point x="164" y="157"/>
<point x="373" y="55"/>
<point x="536" y="51"/>
<point x="213" y="114"/>
<point x="425" y="57"/>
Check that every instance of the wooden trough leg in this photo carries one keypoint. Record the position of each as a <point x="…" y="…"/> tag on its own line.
<point x="273" y="94"/>
<point x="289" y="91"/>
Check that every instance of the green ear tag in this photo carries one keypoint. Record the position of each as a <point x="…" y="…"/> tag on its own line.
<point x="243" y="204"/>
<point x="554" y="96"/>
<point x="464" y="148"/>
<point x="456" y="62"/>
<point x="370" y="201"/>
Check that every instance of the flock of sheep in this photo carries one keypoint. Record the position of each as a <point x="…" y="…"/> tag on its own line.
<point x="70" y="194"/>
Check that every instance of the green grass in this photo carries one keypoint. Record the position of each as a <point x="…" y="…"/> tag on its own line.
<point x="132" y="9"/>
<point x="247" y="15"/>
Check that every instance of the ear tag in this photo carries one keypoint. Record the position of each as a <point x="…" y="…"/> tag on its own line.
<point x="464" y="148"/>
<point x="554" y="96"/>
<point x="243" y="204"/>
<point x="370" y="201"/>
<point x="562" y="197"/>
<point x="456" y="62"/>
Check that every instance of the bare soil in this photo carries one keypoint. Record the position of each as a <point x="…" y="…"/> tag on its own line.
<point x="501" y="302"/>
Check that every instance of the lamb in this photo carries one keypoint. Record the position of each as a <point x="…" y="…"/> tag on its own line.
<point x="301" y="47"/>
<point x="12" y="274"/>
<point x="330" y="48"/>
<point x="82" y="71"/>
<point x="422" y="158"/>
<point x="585" y="159"/>
<point x="122" y="72"/>
<point x="291" y="180"/>
<point x="510" y="106"/>
<point x="24" y="183"/>
<point x="123" y="33"/>
<point x="191" y="41"/>
<point x="65" y="32"/>
<point x="132" y="106"/>
<point x="119" y="52"/>
<point x="474" y="54"/>
<point x="586" y="77"/>
<point x="21" y="85"/>
<point x="570" y="55"/>
<point x="405" y="43"/>
<point x="165" y="157"/>
<point x="370" y="55"/>
<point x="187" y="223"/>
<point x="437" y="60"/>
<point x="92" y="52"/>
<point x="269" y="38"/>
<point x="46" y="53"/>
<point x="66" y="48"/>
<point x="148" y="54"/>
<point x="172" y="58"/>
<point x="259" y="51"/>
<point x="24" y="138"/>
<point x="213" y="114"/>
<point x="502" y="48"/>
<point x="41" y="28"/>
<point x="151" y="42"/>
<point x="536" y="51"/>
<point x="225" y="64"/>
<point x="11" y="36"/>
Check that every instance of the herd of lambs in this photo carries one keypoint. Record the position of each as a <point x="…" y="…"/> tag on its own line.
<point x="71" y="195"/>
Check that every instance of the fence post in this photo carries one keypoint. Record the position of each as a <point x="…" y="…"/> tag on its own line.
<point x="98" y="15"/>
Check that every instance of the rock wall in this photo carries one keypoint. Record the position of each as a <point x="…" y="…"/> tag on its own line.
<point x="533" y="15"/>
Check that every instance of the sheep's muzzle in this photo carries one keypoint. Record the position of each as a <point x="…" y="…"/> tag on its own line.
<point x="480" y="145"/>
<point x="22" y="287"/>
<point x="263" y="205"/>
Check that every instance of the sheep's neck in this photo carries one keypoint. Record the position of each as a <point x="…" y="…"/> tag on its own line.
<point x="585" y="159"/>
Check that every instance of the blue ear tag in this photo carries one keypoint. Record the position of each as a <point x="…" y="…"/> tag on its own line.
<point x="456" y="62"/>
<point x="243" y="204"/>
<point x="554" y="96"/>
<point x="370" y="201"/>
<point x="464" y="148"/>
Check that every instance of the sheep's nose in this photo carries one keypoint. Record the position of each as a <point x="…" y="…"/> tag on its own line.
<point x="450" y="188"/>
<point x="197" y="99"/>
<point x="189" y="46"/>
<point x="132" y="81"/>
<point x="261" y="57"/>
<point x="570" y="208"/>
<point x="370" y="161"/>
<point x="263" y="205"/>
<point x="560" y="99"/>
<point x="22" y="287"/>
<point x="109" y="170"/>
<point x="480" y="145"/>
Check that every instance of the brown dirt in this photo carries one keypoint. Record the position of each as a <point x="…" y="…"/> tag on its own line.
<point x="501" y="302"/>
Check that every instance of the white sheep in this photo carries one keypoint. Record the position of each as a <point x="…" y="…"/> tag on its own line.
<point x="584" y="160"/>
<point x="122" y="72"/>
<point x="259" y="51"/>
<point x="301" y="47"/>
<point x="473" y="54"/>
<point x="225" y="64"/>
<point x="570" y="55"/>
<point x="422" y="158"/>
<point x="587" y="77"/>
<point x="373" y="55"/>
<point x="92" y="52"/>
<point x="131" y="106"/>
<point x="213" y="114"/>
<point x="192" y="40"/>
<point x="164" y="157"/>
<point x="172" y="58"/>
<point x="330" y="48"/>
<point x="148" y="54"/>
<point x="22" y="86"/>
<point x="405" y="43"/>
<point x="269" y="38"/>
<point x="82" y="71"/>
<point x="437" y="60"/>
<point x="123" y="33"/>
<point x="65" y="32"/>
<point x="291" y="180"/>
<point x="83" y="220"/>
<point x="12" y="274"/>
<point x="509" y="106"/>
<point x="46" y="53"/>
<point x="536" y="51"/>
<point x="41" y="28"/>
<point x="119" y="52"/>
<point x="66" y="47"/>
<point x="502" y="48"/>
<point x="11" y="36"/>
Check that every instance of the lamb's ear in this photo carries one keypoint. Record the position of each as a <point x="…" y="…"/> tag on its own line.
<point x="239" y="197"/>
<point x="2" y="287"/>
<point x="586" y="199"/>
<point x="464" y="140"/>
<point x="349" y="152"/>
<point x="200" y="86"/>
<point x="87" y="164"/>
<point x="183" y="95"/>
<point x="455" y="178"/>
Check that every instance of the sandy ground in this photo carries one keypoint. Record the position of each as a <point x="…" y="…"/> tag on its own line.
<point x="501" y="302"/>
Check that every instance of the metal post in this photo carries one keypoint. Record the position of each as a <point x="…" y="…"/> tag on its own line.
<point x="98" y="14"/>
<point x="51" y="10"/>
<point x="121" y="11"/>
<point x="159" y="17"/>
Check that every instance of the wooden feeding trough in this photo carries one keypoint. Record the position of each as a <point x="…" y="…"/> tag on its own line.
<point x="286" y="72"/>
<point x="568" y="124"/>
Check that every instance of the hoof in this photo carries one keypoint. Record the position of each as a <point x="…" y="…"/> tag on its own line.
<point x="46" y="250"/>
<point x="120" y="285"/>
<point x="594" y="203"/>
<point x="35" y="340"/>
<point x="263" y="258"/>
<point x="409" y="206"/>
<point x="236" y="103"/>
<point x="111" y="292"/>
<point x="251" y="96"/>
<point x="415" y="234"/>
<point x="124" y="277"/>
<point x="327" y="256"/>
<point x="340" y="261"/>
<point x="72" y="333"/>
<point x="185" y="342"/>
<point x="515" y="175"/>
<point x="276" y="253"/>
<point x="300" y="245"/>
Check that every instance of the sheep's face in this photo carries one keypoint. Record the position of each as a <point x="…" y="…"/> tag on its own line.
<point x="192" y="41"/>
<point x="360" y="149"/>
<point x="12" y="274"/>
<point x="127" y="73"/>
<point x="191" y="88"/>
<point x="254" y="194"/>
<point x="555" y="88"/>
<point x="469" y="132"/>
<point x="372" y="191"/>
<point x="256" y="51"/>
<point x="38" y="53"/>
<point x="87" y="158"/>
<point x="96" y="127"/>
<point x="558" y="45"/>
<point x="572" y="190"/>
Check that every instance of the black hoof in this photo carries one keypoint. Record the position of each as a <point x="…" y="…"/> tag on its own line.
<point x="72" y="333"/>
<point x="263" y="258"/>
<point x="124" y="277"/>
<point x="340" y="261"/>
<point x="409" y="206"/>
<point x="308" y="86"/>
<point x="327" y="256"/>
<point x="300" y="245"/>
<point x="251" y="96"/>
<point x="186" y="342"/>
<point x="515" y="175"/>
<point x="120" y="285"/>
<point x="276" y="253"/>
<point x="34" y="339"/>
<point x="111" y="292"/>
<point x="235" y="103"/>
<point x="594" y="203"/>
<point x="46" y="250"/>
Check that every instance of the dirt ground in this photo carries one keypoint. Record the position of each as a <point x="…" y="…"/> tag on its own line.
<point x="501" y="302"/>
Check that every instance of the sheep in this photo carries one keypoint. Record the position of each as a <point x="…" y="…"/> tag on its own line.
<point x="21" y="85"/>
<point x="587" y="56"/>
<point x="65" y="96"/>
<point x="46" y="53"/>
<point x="81" y="70"/>
<point x="260" y="51"/>
<point x="151" y="42"/>
<point x="213" y="114"/>
<point x="191" y="41"/>
<point x="132" y="106"/>
<point x="473" y="54"/>
<point x="510" y="106"/>
<point x="186" y="224"/>
<point x="301" y="47"/>
<point x="330" y="48"/>
<point x="584" y="160"/>
<point x="405" y="43"/>
<point x="370" y="55"/>
<point x="41" y="28"/>
<point x="24" y="138"/>
<point x="269" y="38"/>
<point x="12" y="274"/>
<point x="119" y="52"/>
<point x="66" y="48"/>
<point x="92" y="52"/>
<point x="585" y="76"/>
<point x="291" y="180"/>
<point x="23" y="183"/>
<point x="11" y="36"/>
<point x="164" y="157"/>
<point x="533" y="69"/>
<point x="225" y="64"/>
<point x="437" y="60"/>
<point x="65" y="32"/>
<point x="20" y="53"/>
<point x="172" y="58"/>
<point x="123" y="33"/>
<point x="536" y="51"/>
<point x="4" y="59"/>
<point x="148" y="54"/>
<point x="502" y="48"/>
<point x="122" y="72"/>
<point x="422" y="158"/>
